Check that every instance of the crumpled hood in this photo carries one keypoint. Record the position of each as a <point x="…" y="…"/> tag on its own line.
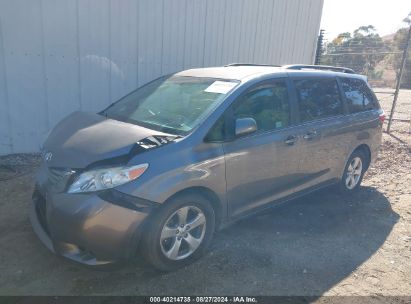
<point x="84" y="138"/>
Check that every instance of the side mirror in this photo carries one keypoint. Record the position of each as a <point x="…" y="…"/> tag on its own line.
<point x="244" y="126"/>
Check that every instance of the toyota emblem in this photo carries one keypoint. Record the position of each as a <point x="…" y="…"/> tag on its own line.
<point x="48" y="156"/>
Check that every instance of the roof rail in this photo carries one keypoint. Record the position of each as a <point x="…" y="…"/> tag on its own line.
<point x="251" y="64"/>
<point x="319" y="67"/>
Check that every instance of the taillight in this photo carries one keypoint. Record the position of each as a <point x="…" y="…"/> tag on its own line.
<point x="381" y="117"/>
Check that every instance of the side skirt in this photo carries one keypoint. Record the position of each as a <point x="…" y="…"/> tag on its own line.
<point x="278" y="202"/>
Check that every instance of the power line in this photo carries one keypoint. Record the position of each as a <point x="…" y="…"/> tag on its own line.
<point x="376" y="53"/>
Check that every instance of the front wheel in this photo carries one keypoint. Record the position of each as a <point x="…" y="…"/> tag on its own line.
<point x="353" y="172"/>
<point x="180" y="232"/>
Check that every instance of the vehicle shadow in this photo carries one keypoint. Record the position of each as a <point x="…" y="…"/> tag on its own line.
<point x="303" y="247"/>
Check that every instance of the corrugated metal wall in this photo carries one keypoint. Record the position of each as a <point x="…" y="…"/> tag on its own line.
<point x="61" y="56"/>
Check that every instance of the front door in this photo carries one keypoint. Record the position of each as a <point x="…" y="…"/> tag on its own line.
<point x="262" y="166"/>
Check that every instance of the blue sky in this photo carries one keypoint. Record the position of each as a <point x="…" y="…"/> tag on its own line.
<point x="347" y="15"/>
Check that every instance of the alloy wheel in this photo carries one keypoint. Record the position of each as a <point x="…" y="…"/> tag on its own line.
<point x="183" y="233"/>
<point x="354" y="172"/>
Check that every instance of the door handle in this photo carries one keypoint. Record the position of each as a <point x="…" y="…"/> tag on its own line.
<point x="290" y="140"/>
<point x="310" y="135"/>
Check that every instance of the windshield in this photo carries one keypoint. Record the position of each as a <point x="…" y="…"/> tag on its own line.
<point x="174" y="105"/>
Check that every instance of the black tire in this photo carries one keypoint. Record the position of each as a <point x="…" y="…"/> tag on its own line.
<point x="152" y="249"/>
<point x="343" y="186"/>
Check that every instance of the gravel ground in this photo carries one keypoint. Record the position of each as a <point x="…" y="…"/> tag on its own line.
<point x="323" y="244"/>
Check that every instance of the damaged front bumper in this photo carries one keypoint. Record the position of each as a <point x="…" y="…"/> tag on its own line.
<point x="87" y="228"/>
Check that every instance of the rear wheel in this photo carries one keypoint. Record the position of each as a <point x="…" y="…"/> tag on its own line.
<point x="179" y="233"/>
<point x="353" y="172"/>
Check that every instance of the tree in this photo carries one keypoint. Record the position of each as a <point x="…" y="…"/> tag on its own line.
<point x="398" y="45"/>
<point x="407" y="19"/>
<point x="360" y="50"/>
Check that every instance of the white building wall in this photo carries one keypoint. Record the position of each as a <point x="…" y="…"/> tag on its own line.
<point x="60" y="56"/>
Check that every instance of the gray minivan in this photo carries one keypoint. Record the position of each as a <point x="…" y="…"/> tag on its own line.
<point x="160" y="170"/>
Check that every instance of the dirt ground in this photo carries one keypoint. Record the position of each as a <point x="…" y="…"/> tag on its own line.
<point x="323" y="244"/>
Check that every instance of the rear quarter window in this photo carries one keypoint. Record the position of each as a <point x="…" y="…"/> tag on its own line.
<point x="358" y="95"/>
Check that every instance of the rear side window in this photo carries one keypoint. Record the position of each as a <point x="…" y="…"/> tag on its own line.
<point x="358" y="95"/>
<point x="267" y="104"/>
<point x="318" y="98"/>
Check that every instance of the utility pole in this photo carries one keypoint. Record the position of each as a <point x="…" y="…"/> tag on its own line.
<point x="397" y="88"/>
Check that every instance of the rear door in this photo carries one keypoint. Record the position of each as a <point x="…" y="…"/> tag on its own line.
<point x="262" y="166"/>
<point x="322" y="128"/>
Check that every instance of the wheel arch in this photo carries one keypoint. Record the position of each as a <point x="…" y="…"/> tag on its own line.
<point x="367" y="151"/>
<point x="364" y="148"/>
<point x="205" y="192"/>
<point x="208" y="194"/>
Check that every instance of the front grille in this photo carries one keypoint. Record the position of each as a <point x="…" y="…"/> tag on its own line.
<point x="41" y="210"/>
<point x="55" y="175"/>
<point x="58" y="178"/>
